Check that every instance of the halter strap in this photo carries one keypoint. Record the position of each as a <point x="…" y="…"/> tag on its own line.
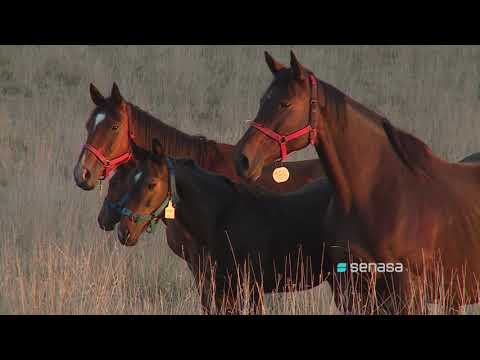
<point x="109" y="165"/>
<point x="282" y="140"/>
<point x="313" y="108"/>
<point x="311" y="128"/>
<point x="155" y="216"/>
<point x="119" y="205"/>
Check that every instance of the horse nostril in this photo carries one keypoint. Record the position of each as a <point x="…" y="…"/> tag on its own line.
<point x="122" y="235"/>
<point x="243" y="162"/>
<point x="85" y="174"/>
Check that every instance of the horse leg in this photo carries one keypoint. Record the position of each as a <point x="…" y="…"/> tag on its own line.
<point x="205" y="284"/>
<point x="231" y="302"/>
<point x="204" y="290"/>
<point x="352" y="294"/>
<point x="340" y="296"/>
<point x="454" y="309"/>
<point x="455" y="304"/>
<point x="414" y="297"/>
<point x="407" y="297"/>
<point x="233" y="299"/>
<point x="258" y="301"/>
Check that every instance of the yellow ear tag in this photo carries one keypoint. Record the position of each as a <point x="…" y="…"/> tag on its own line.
<point x="281" y="174"/>
<point x="170" y="211"/>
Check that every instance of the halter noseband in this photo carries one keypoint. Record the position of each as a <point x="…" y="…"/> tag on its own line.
<point x="112" y="164"/>
<point x="311" y="128"/>
<point x="154" y="217"/>
<point x="109" y="165"/>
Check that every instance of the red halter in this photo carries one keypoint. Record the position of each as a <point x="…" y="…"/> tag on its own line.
<point x="110" y="165"/>
<point x="282" y="140"/>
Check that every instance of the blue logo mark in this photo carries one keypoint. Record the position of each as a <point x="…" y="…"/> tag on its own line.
<point x="341" y="267"/>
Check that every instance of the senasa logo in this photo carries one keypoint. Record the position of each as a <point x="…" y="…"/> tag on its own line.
<point x="369" y="267"/>
<point x="341" y="267"/>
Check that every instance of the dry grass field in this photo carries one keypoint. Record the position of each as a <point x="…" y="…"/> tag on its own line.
<point x="54" y="259"/>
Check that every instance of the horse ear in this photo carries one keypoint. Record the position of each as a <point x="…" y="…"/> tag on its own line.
<point x="297" y="68"/>
<point x="157" y="148"/>
<point x="97" y="98"/>
<point x="116" y="96"/>
<point x="274" y="66"/>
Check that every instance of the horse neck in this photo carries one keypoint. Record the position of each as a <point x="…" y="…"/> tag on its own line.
<point x="175" y="142"/>
<point x="199" y="191"/>
<point x="352" y="147"/>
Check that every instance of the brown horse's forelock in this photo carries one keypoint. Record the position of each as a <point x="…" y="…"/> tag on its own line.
<point x="90" y="121"/>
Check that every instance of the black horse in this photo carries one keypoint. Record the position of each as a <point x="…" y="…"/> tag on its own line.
<point x="245" y="238"/>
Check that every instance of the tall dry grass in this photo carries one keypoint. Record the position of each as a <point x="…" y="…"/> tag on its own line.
<point x="54" y="258"/>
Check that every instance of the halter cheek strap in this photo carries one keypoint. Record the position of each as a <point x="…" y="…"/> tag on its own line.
<point x="311" y="128"/>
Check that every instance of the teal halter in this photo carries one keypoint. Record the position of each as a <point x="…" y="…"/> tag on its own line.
<point x="154" y="217"/>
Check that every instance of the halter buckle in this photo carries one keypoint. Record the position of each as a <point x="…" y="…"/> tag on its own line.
<point x="282" y="140"/>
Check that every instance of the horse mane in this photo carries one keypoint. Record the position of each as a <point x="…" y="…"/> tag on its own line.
<point x="413" y="152"/>
<point x="238" y="188"/>
<point x="175" y="142"/>
<point x="140" y="153"/>
<point x="252" y="190"/>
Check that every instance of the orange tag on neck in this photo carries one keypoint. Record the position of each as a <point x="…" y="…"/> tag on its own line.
<point x="281" y="174"/>
<point x="170" y="211"/>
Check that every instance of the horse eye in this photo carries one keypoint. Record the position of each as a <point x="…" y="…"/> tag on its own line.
<point x="284" y="105"/>
<point x="151" y="186"/>
<point x="115" y="127"/>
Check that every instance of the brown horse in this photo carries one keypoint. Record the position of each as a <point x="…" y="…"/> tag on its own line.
<point x="234" y="225"/>
<point x="395" y="201"/>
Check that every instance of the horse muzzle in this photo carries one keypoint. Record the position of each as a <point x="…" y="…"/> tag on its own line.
<point x="106" y="225"/>
<point x="244" y="169"/>
<point x="125" y="237"/>
<point x="107" y="218"/>
<point x="83" y="178"/>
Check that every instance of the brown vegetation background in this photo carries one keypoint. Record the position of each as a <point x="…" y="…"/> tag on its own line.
<point x="53" y="257"/>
